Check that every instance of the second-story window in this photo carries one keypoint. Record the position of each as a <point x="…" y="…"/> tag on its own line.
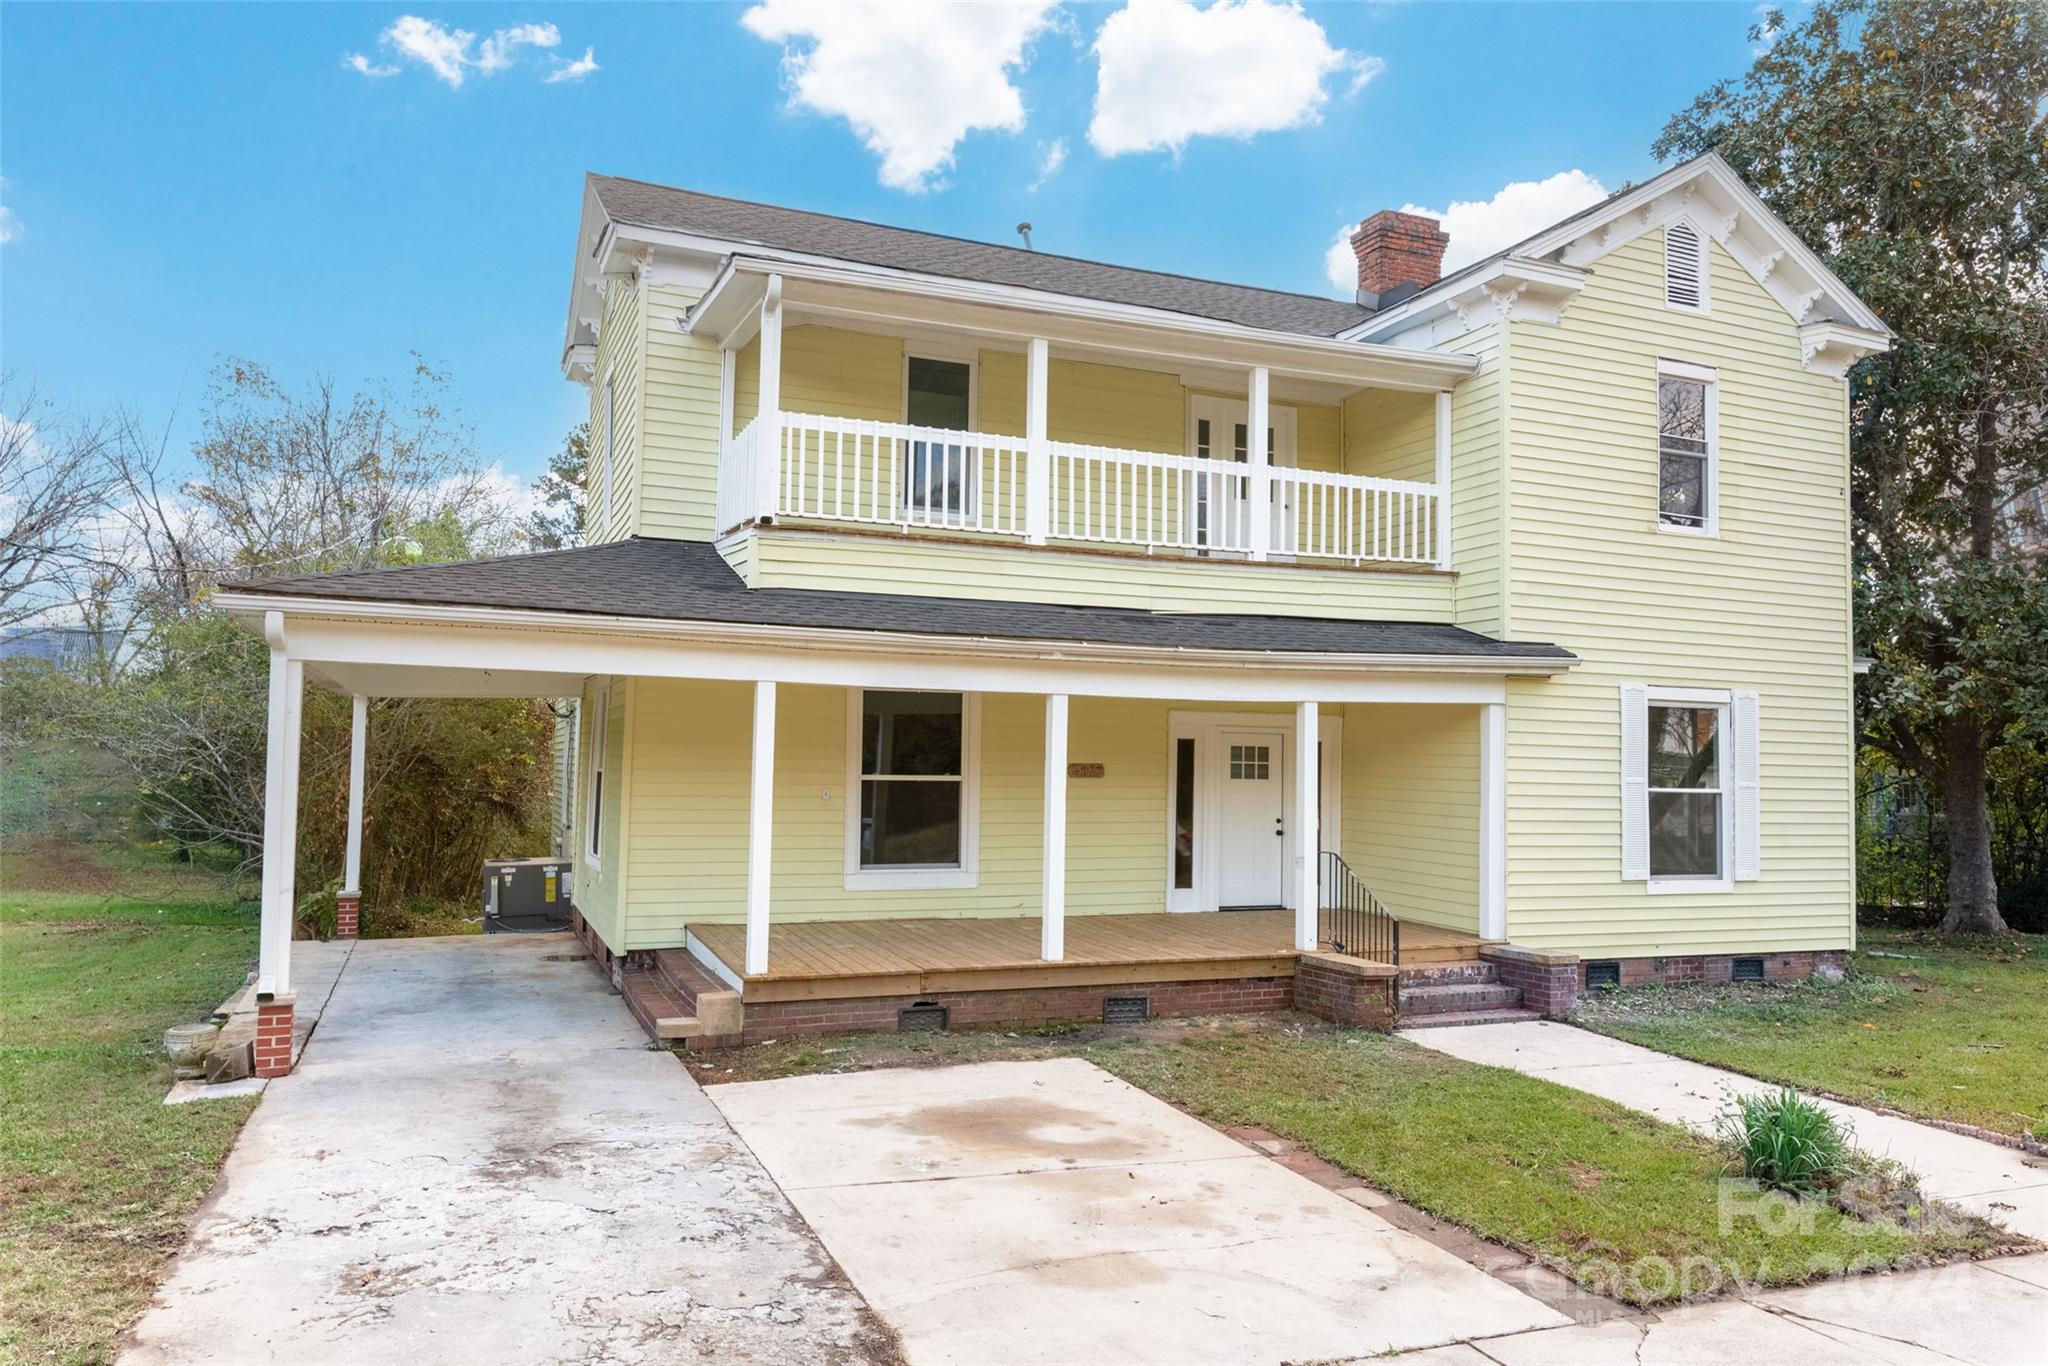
<point x="1686" y="456"/>
<point x="939" y="476"/>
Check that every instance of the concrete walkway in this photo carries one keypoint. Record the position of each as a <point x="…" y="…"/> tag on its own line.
<point x="1038" y="1212"/>
<point x="1999" y="1183"/>
<point x="479" y="1159"/>
<point x="1980" y="1313"/>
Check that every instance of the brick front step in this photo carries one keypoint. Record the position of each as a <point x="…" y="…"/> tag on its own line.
<point x="1467" y="1017"/>
<point x="1430" y="974"/>
<point x="1449" y="998"/>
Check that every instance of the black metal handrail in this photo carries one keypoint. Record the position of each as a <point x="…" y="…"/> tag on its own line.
<point x="1352" y="920"/>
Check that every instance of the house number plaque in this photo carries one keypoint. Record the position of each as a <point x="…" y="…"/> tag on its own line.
<point x="1084" y="770"/>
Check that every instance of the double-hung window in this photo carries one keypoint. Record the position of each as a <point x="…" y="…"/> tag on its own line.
<point x="1688" y="458"/>
<point x="911" y="813"/>
<point x="1689" y="787"/>
<point x="939" y="476"/>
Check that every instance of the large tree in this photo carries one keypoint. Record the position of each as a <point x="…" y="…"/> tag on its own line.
<point x="557" y="522"/>
<point x="1907" y="143"/>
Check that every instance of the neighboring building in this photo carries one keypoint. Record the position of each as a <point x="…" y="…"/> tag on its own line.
<point x="62" y="647"/>
<point x="943" y="630"/>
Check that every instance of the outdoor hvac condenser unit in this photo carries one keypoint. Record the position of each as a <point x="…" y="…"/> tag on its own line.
<point x="524" y="895"/>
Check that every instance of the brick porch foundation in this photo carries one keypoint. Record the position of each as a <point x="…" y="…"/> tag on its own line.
<point x="274" y="1037"/>
<point x="348" y="914"/>
<point x="1691" y="970"/>
<point x="1346" y="991"/>
<point x="1549" y="982"/>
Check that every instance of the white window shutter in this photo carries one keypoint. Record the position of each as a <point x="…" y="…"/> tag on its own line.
<point x="1748" y="843"/>
<point x="1635" y="782"/>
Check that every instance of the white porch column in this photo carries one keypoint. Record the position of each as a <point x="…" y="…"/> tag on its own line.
<point x="1037" y="445"/>
<point x="1052" y="942"/>
<point x="1308" y="837"/>
<point x="1443" y="481"/>
<point x="1259" y="493"/>
<point x="280" y="814"/>
<point x="768" y="454"/>
<point x="760" y="827"/>
<point x="352" y="860"/>
<point x="728" y="374"/>
<point x="1493" y="820"/>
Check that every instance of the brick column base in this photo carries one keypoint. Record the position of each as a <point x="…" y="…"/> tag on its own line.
<point x="348" y="914"/>
<point x="1353" y="992"/>
<point x="1549" y="981"/>
<point x="274" y="1037"/>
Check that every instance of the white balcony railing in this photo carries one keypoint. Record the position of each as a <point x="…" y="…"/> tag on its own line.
<point x="893" y="474"/>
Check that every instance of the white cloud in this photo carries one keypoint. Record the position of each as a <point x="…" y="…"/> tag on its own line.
<point x="453" y="53"/>
<point x="1051" y="156"/>
<point x="443" y="51"/>
<point x="1481" y="227"/>
<point x="576" y="70"/>
<point x="1340" y="262"/>
<point x="912" y="80"/>
<point x="1167" y="72"/>
<point x="10" y="227"/>
<point x="501" y="47"/>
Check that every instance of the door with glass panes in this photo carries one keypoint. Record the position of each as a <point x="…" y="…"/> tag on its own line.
<point x="1218" y="510"/>
<point x="938" y="477"/>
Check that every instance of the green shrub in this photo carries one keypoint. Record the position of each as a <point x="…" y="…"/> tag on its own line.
<point x="1786" y="1141"/>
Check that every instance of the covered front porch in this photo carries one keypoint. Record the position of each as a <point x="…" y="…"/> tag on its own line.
<point x="946" y="796"/>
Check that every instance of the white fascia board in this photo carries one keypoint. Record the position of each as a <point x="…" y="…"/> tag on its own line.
<point x="815" y="654"/>
<point x="1830" y="348"/>
<point x="1512" y="286"/>
<point x="585" y="276"/>
<point x="1203" y="339"/>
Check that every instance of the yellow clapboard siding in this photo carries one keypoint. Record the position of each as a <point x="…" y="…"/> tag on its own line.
<point x="1764" y="606"/>
<point x="595" y="887"/>
<point x="1411" y="809"/>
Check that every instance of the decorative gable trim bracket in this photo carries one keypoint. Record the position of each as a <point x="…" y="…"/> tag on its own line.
<point x="579" y="363"/>
<point x="1830" y="348"/>
<point x="1512" y="289"/>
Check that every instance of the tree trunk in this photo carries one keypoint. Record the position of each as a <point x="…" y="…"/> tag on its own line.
<point x="1972" y="888"/>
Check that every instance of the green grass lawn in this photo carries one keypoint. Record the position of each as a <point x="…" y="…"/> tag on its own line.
<point x="100" y="1177"/>
<point x="1955" y="1031"/>
<point x="1590" y="1186"/>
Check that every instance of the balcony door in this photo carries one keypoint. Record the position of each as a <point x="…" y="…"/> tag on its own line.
<point x="938" y="477"/>
<point x="1217" y="509"/>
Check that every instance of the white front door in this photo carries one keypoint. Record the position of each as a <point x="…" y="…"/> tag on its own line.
<point x="1252" y="816"/>
<point x="1218" y="511"/>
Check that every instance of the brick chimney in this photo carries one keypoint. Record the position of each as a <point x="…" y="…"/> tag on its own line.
<point x="1398" y="249"/>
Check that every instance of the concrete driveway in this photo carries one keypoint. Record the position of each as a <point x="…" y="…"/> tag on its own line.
<point x="1024" y="1212"/>
<point x="479" y="1159"/>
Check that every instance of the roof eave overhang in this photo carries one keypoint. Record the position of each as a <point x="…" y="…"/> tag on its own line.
<point x="253" y="607"/>
<point x="1512" y="286"/>
<point x="879" y="295"/>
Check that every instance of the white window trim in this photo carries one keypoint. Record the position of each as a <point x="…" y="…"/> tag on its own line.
<point x="594" y="769"/>
<point x="1206" y="729"/>
<point x="1722" y="699"/>
<point x="1707" y="375"/>
<point x="1705" y="305"/>
<point x="968" y="873"/>
<point x="949" y="355"/>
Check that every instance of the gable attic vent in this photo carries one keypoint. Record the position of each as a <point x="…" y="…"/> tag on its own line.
<point x="1685" y="267"/>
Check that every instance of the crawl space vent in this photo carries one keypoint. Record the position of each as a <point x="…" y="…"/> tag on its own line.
<point x="925" y="1017"/>
<point x="1126" y="1009"/>
<point x="1747" y="969"/>
<point x="1602" y="975"/>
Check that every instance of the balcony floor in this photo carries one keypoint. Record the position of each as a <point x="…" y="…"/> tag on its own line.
<point x="838" y="959"/>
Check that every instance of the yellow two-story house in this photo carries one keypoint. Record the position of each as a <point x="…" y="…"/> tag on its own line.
<point x="967" y="634"/>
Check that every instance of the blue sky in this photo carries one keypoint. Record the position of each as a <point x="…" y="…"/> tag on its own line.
<point x="187" y="182"/>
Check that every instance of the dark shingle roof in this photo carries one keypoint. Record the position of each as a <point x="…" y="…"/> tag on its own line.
<point x="690" y="581"/>
<point x="850" y="239"/>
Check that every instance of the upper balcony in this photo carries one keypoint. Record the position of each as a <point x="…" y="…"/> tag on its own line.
<point x="852" y="408"/>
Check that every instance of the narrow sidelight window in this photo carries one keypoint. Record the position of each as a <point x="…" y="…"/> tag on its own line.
<point x="912" y="779"/>
<point x="938" y="476"/>
<point x="1184" y="813"/>
<point x="594" y="737"/>
<point x="1686" y="455"/>
<point x="1687" y="798"/>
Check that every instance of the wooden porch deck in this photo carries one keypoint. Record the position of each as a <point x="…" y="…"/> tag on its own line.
<point x="838" y="959"/>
